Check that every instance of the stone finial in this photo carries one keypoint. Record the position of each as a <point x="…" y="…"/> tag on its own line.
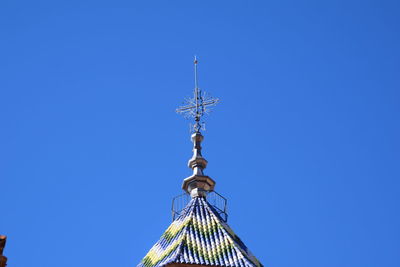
<point x="197" y="163"/>
<point x="198" y="184"/>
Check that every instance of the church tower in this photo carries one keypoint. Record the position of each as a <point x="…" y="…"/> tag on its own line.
<point x="199" y="235"/>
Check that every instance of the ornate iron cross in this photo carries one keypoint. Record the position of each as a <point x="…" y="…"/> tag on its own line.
<point x="197" y="106"/>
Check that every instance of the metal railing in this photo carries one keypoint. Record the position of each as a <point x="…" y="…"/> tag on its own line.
<point x="217" y="201"/>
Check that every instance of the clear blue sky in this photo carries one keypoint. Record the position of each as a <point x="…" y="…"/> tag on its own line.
<point x="305" y="143"/>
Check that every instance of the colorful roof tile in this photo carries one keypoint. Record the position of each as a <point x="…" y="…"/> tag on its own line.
<point x="199" y="236"/>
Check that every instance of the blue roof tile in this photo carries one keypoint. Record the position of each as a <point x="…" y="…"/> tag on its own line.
<point x="199" y="236"/>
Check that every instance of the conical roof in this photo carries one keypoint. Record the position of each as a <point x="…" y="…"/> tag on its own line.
<point x="199" y="236"/>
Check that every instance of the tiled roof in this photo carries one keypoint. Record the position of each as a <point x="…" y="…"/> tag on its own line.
<point x="199" y="236"/>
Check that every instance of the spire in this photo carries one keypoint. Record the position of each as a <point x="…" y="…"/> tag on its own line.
<point x="198" y="184"/>
<point x="199" y="235"/>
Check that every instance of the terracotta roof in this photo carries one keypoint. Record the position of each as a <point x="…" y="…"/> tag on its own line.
<point x="199" y="236"/>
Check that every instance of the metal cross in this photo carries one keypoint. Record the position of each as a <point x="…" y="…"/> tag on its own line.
<point x="199" y="105"/>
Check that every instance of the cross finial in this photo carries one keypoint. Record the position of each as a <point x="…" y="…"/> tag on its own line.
<point x="199" y="105"/>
